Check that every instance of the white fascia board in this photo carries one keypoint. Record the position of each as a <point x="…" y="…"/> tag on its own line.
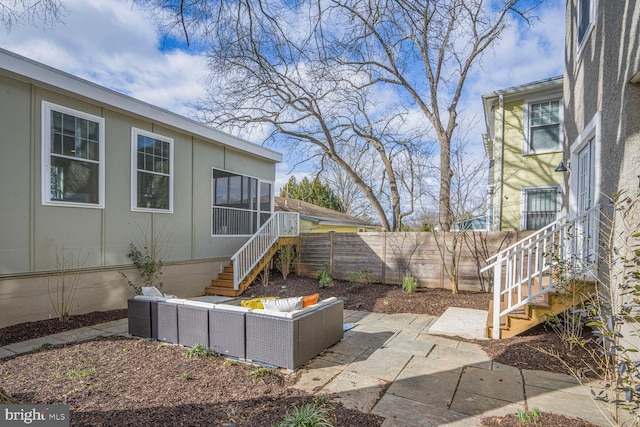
<point x="553" y="84"/>
<point x="56" y="79"/>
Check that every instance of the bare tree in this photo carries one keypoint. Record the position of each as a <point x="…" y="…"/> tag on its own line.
<point x="13" y="12"/>
<point x="468" y="201"/>
<point x="343" y="75"/>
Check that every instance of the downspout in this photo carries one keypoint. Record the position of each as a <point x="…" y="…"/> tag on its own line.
<point x="499" y="160"/>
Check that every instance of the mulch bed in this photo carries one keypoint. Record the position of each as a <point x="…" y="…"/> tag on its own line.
<point x="134" y="382"/>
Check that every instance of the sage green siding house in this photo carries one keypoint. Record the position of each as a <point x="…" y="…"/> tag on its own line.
<point x="86" y="171"/>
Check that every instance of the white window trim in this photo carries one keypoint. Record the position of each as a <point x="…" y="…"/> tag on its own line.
<point x="47" y="107"/>
<point x="523" y="201"/>
<point x="211" y="203"/>
<point x="526" y="150"/>
<point x="134" y="169"/>
<point x="587" y="34"/>
<point x="591" y="130"/>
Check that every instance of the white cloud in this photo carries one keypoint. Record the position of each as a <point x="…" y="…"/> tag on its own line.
<point x="114" y="44"/>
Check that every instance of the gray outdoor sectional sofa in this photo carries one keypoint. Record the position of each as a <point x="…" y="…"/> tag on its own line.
<point x="284" y="339"/>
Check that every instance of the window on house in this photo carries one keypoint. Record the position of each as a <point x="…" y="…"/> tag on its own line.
<point x="541" y="207"/>
<point x="544" y="126"/>
<point x="241" y="204"/>
<point x="585" y="21"/>
<point x="151" y="171"/>
<point x="72" y="157"/>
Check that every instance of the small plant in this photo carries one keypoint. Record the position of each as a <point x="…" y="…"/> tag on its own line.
<point x="324" y="277"/>
<point x="80" y="373"/>
<point x="534" y="416"/>
<point x="361" y="278"/>
<point x="185" y="376"/>
<point x="62" y="294"/>
<point x="199" y="350"/>
<point x="409" y="283"/>
<point x="149" y="267"/>
<point x="230" y="362"/>
<point x="260" y="373"/>
<point x="286" y="259"/>
<point x="308" y="415"/>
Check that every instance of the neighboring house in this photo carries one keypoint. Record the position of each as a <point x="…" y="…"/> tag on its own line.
<point x="601" y="153"/>
<point x="88" y="171"/>
<point x="524" y="142"/>
<point x="316" y="219"/>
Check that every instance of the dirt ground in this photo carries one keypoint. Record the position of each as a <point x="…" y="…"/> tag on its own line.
<point x="135" y="382"/>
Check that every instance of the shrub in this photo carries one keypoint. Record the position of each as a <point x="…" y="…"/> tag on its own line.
<point x="361" y="278"/>
<point x="148" y="265"/>
<point x="286" y="259"/>
<point x="259" y="373"/>
<point x="324" y="277"/>
<point x="409" y="283"/>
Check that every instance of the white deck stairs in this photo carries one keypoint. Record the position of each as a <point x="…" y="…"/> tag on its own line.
<point x="543" y="274"/>
<point x="282" y="228"/>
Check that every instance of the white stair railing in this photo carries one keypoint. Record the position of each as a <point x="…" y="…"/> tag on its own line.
<point x="280" y="224"/>
<point x="534" y="265"/>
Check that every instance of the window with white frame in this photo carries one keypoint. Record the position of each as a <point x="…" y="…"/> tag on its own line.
<point x="241" y="204"/>
<point x="541" y="206"/>
<point x="586" y="21"/>
<point x="543" y="126"/>
<point x="72" y="157"/>
<point x="152" y="171"/>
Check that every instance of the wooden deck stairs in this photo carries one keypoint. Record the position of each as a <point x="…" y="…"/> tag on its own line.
<point x="539" y="310"/>
<point x="223" y="285"/>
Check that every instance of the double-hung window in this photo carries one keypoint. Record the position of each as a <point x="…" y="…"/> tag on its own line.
<point x="543" y="126"/>
<point x="241" y="204"/>
<point x="541" y="206"/>
<point x="72" y="157"/>
<point x="586" y="21"/>
<point x="151" y="172"/>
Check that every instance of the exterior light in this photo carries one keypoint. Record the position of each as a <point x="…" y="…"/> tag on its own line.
<point x="562" y="167"/>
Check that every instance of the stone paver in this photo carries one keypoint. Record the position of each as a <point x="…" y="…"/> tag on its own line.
<point x="79" y="334"/>
<point x="411" y="346"/>
<point x="475" y="404"/>
<point x="427" y="381"/>
<point x="400" y="411"/>
<point x="355" y="391"/>
<point x="34" y="344"/>
<point x="460" y="357"/>
<point x="5" y="352"/>
<point x="385" y="364"/>
<point x="317" y="374"/>
<point x="561" y="402"/>
<point x="501" y="385"/>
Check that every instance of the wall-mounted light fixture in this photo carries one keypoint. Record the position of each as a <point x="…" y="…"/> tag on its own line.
<point x="563" y="166"/>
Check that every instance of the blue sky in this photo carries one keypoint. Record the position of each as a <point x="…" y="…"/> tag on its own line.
<point x="113" y="43"/>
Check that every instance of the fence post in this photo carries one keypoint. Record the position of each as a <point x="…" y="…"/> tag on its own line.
<point x="384" y="257"/>
<point x="331" y="234"/>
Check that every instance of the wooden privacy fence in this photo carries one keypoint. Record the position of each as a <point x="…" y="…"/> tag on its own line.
<point x="389" y="255"/>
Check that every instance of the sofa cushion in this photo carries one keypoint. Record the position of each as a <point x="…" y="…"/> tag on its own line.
<point x="284" y="305"/>
<point x="256" y="303"/>
<point x="299" y="312"/>
<point x="151" y="291"/>
<point x="310" y="300"/>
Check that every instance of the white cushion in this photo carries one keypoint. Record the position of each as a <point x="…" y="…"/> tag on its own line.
<point x="299" y="312"/>
<point x="146" y="298"/>
<point x="282" y="305"/>
<point x="151" y="291"/>
<point x="202" y="304"/>
<point x="229" y="307"/>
